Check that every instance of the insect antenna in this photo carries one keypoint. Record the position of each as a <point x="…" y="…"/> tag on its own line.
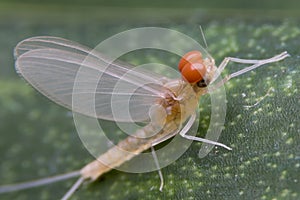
<point x="203" y="37"/>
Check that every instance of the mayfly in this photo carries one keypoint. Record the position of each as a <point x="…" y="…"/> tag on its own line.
<point x="50" y="65"/>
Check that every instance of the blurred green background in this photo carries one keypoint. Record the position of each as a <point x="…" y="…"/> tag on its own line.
<point x="38" y="137"/>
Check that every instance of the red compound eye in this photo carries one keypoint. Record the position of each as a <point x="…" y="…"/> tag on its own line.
<point x="193" y="72"/>
<point x="191" y="67"/>
<point x="191" y="56"/>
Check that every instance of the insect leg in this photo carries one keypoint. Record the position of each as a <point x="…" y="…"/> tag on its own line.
<point x="256" y="64"/>
<point x="248" y="61"/>
<point x="158" y="168"/>
<point x="189" y="137"/>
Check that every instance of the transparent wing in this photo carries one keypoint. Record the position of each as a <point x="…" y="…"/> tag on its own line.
<point x="64" y="70"/>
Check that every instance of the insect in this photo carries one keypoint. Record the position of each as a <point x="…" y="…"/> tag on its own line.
<point x="50" y="65"/>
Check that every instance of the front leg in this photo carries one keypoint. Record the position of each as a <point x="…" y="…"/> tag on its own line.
<point x="256" y="64"/>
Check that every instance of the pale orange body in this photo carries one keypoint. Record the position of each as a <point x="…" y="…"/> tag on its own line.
<point x="178" y="110"/>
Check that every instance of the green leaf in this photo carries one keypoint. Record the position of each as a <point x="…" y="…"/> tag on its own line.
<point x="262" y="127"/>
